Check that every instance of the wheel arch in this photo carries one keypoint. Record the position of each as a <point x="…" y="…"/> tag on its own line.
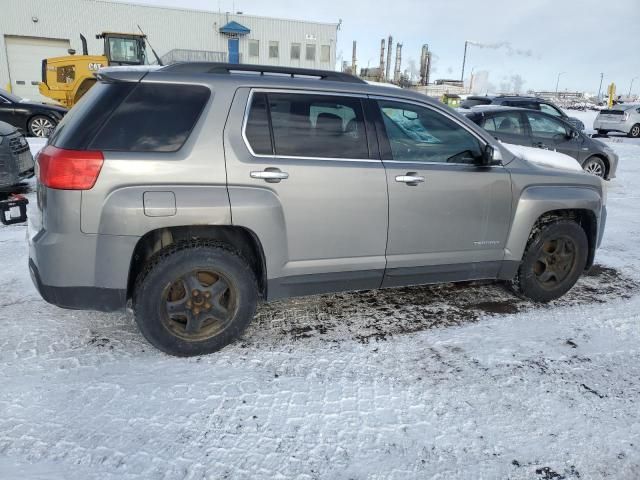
<point x="540" y="205"/>
<point x="245" y="241"/>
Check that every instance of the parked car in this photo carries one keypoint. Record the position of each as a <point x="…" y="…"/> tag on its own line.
<point x="195" y="190"/>
<point x="624" y="118"/>
<point x="35" y="119"/>
<point x="16" y="162"/>
<point x="536" y="129"/>
<point x="532" y="103"/>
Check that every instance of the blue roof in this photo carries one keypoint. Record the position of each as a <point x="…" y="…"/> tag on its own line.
<point x="234" y="27"/>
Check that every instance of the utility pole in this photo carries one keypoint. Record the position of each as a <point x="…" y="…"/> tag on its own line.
<point x="464" y="60"/>
<point x="631" y="86"/>
<point x="558" y="82"/>
<point x="600" y="87"/>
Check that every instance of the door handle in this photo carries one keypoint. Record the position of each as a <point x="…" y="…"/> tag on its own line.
<point x="270" y="175"/>
<point x="411" y="178"/>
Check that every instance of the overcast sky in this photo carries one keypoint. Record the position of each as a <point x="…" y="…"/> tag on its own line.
<point x="538" y="38"/>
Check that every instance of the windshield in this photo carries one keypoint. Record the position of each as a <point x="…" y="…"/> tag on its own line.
<point x="124" y="50"/>
<point x="10" y="96"/>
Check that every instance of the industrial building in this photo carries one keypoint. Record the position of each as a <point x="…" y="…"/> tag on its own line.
<point x="31" y="30"/>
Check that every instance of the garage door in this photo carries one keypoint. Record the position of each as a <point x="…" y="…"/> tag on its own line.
<point x="25" y="56"/>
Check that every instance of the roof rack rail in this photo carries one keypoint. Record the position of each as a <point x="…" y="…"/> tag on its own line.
<point x="228" y="68"/>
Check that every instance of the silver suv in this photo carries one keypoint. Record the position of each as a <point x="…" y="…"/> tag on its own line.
<point x="196" y="190"/>
<point x="623" y="118"/>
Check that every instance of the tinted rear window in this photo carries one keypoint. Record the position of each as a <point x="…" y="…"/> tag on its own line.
<point x="80" y="125"/>
<point x="612" y="112"/>
<point x="153" y="118"/>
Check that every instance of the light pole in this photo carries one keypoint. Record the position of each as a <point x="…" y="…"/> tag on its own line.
<point x="600" y="87"/>
<point x="558" y="82"/>
<point x="631" y="86"/>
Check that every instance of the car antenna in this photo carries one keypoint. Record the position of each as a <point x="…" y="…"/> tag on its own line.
<point x="151" y="47"/>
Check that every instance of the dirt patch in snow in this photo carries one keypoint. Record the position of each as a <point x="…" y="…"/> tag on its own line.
<point x="375" y="315"/>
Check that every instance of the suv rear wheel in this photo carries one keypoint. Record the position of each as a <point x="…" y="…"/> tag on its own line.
<point x="194" y="298"/>
<point x="635" y="131"/>
<point x="555" y="258"/>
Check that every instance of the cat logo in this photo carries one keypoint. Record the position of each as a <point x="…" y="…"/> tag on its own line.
<point x="95" y="66"/>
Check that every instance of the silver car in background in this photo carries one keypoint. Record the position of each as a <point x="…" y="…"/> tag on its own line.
<point x="624" y="118"/>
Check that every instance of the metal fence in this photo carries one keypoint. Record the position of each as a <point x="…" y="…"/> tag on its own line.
<point x="182" y="55"/>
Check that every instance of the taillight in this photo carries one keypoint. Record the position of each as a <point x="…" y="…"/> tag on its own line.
<point x="69" y="169"/>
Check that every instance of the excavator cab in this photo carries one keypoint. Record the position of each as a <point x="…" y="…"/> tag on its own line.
<point x="124" y="48"/>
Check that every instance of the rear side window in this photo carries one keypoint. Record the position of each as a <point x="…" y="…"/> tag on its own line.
<point x="257" y="130"/>
<point x="153" y="118"/>
<point x="509" y="123"/>
<point x="302" y="125"/>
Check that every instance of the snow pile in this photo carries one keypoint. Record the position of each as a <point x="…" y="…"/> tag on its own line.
<point x="546" y="158"/>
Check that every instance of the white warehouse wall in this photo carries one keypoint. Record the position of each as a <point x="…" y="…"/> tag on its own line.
<point x="166" y="28"/>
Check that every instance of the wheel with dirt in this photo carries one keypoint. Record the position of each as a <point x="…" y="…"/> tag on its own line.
<point x="41" y="126"/>
<point x="194" y="298"/>
<point x="595" y="166"/>
<point x="635" y="131"/>
<point x="555" y="258"/>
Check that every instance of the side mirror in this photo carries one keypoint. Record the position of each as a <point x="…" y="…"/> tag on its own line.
<point x="573" y="134"/>
<point x="490" y="156"/>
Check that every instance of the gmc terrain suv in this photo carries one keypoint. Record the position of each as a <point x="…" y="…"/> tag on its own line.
<point x="194" y="190"/>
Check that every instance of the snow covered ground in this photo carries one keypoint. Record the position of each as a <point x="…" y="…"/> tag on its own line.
<point x="447" y="382"/>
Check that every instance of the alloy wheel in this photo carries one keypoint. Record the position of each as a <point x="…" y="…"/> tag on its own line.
<point x="594" y="168"/>
<point x="41" y="127"/>
<point x="199" y="305"/>
<point x="555" y="262"/>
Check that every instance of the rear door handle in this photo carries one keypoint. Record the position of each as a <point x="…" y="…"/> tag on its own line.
<point x="270" y="175"/>
<point x="411" y="178"/>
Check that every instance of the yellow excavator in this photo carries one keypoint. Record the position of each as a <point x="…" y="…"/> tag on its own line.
<point x="66" y="79"/>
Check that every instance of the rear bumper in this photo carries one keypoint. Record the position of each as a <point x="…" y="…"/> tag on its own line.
<point x="611" y="126"/>
<point x="78" y="271"/>
<point x="79" y="298"/>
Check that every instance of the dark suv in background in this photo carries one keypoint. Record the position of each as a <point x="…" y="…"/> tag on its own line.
<point x="531" y="103"/>
<point x="521" y="126"/>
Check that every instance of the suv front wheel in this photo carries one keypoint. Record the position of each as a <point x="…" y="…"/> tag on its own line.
<point x="554" y="260"/>
<point x="194" y="298"/>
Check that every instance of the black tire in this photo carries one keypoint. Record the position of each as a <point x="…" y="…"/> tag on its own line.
<point x="635" y="131"/>
<point x="595" y="166"/>
<point x="532" y="280"/>
<point x="603" y="133"/>
<point x="168" y="284"/>
<point x="41" y="126"/>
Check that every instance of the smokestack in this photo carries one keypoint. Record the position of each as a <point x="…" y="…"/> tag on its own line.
<point x="354" y="67"/>
<point x="428" y="72"/>
<point x="387" y="75"/>
<point x="381" y="60"/>
<point x="396" y="74"/>
<point x="423" y="64"/>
